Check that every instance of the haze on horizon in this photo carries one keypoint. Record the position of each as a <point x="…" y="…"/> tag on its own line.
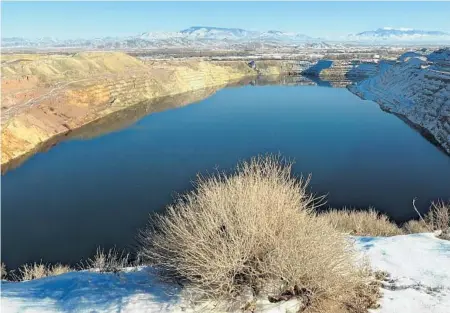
<point x="66" y="20"/>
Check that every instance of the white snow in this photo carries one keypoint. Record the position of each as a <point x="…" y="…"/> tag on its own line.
<point x="131" y="291"/>
<point x="403" y="35"/>
<point x="419" y="268"/>
<point x="401" y="28"/>
<point x="419" y="282"/>
<point x="134" y="290"/>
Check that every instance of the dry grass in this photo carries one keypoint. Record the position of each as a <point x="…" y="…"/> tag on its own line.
<point x="256" y="230"/>
<point x="40" y="270"/>
<point x="110" y="261"/>
<point x="415" y="227"/>
<point x="33" y="271"/>
<point x="59" y="269"/>
<point x="361" y="223"/>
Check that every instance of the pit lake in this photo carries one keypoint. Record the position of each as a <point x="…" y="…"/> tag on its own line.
<point x="98" y="187"/>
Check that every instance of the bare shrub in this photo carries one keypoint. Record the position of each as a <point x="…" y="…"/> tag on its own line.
<point x="32" y="271"/>
<point x="415" y="227"/>
<point x="438" y="218"/>
<point x="361" y="223"/>
<point x="254" y="229"/>
<point x="3" y="271"/>
<point x="110" y="261"/>
<point x="40" y="270"/>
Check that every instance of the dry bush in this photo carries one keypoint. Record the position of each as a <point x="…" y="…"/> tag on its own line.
<point x="40" y="270"/>
<point x="3" y="271"/>
<point x="438" y="218"/>
<point x="361" y="223"/>
<point x="32" y="271"/>
<point x="415" y="227"/>
<point x="254" y="230"/>
<point x="111" y="261"/>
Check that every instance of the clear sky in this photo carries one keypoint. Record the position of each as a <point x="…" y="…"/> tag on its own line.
<point x="93" y="19"/>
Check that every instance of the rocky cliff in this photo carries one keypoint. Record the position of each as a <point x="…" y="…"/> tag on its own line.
<point x="326" y="69"/>
<point x="342" y="69"/>
<point x="416" y="88"/>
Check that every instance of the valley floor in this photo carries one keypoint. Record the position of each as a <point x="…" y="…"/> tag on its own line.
<point x="418" y="266"/>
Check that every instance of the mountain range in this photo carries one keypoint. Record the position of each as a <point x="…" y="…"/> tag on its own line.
<point x="232" y="38"/>
<point x="206" y="33"/>
<point x="400" y="34"/>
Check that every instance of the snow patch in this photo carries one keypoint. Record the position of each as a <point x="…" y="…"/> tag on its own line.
<point x="133" y="290"/>
<point x="419" y="268"/>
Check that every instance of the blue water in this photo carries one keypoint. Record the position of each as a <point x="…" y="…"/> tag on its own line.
<point x="62" y="204"/>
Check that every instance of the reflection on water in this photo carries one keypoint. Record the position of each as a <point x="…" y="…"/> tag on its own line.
<point x="122" y="118"/>
<point x="298" y="80"/>
<point x="129" y="115"/>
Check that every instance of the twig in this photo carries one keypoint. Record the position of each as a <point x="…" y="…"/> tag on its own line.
<point x="420" y="215"/>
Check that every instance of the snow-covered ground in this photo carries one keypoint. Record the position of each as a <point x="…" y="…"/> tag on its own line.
<point x="419" y="268"/>
<point x="419" y="282"/>
<point x="135" y="290"/>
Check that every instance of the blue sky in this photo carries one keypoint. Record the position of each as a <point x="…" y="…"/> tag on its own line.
<point x="94" y="19"/>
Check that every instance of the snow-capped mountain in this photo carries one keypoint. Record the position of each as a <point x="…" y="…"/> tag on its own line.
<point x="216" y="33"/>
<point x="207" y="37"/>
<point x="401" y="35"/>
<point x="159" y="35"/>
<point x="202" y="33"/>
<point x="196" y="36"/>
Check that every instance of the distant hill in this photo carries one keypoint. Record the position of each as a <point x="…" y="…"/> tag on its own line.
<point x="232" y="38"/>
<point x="401" y="35"/>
